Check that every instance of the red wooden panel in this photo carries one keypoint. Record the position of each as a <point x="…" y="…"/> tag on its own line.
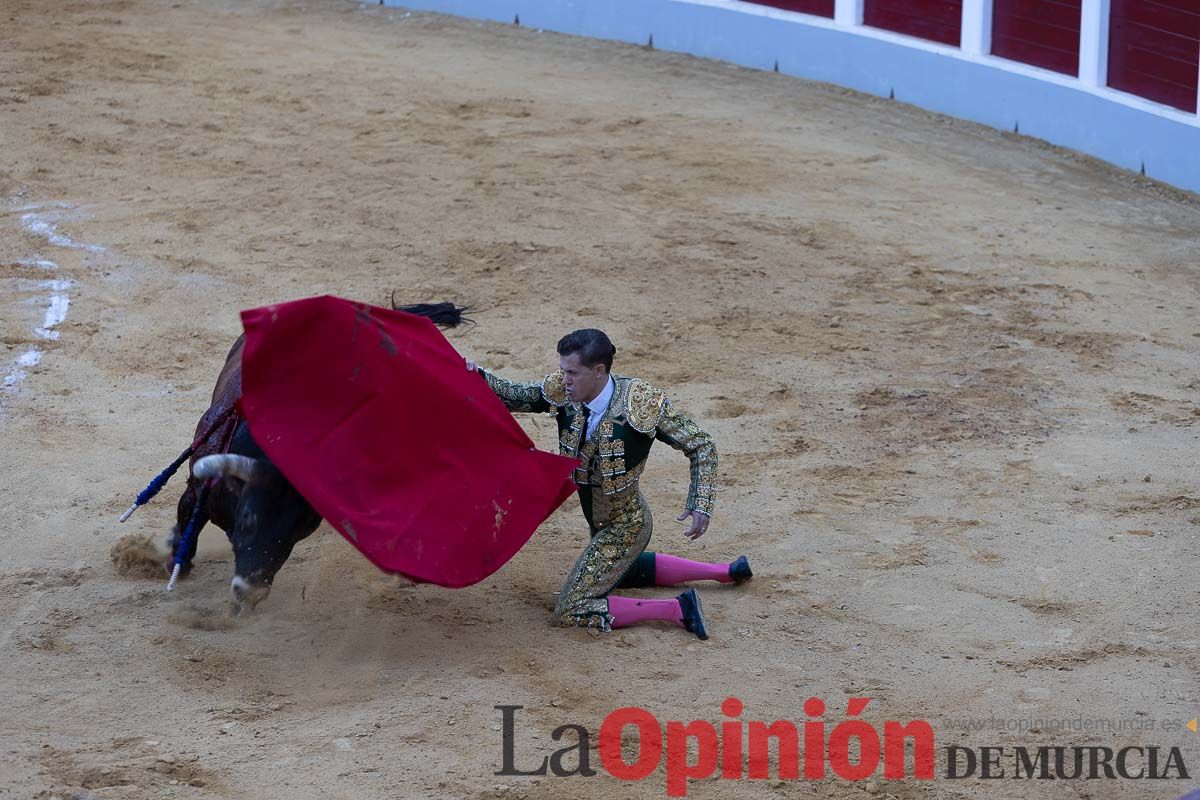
<point x="1063" y="13"/>
<point x="1163" y="42"/>
<point x="1168" y="15"/>
<point x="822" y="8"/>
<point x="1044" y="33"/>
<point x="936" y="20"/>
<point x="1059" y="39"/>
<point x="1037" y="55"/>
<point x="1154" y="50"/>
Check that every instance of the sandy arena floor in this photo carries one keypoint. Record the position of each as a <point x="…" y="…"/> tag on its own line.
<point x="952" y="374"/>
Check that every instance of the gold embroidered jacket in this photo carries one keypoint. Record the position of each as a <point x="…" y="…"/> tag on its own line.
<point x="614" y="458"/>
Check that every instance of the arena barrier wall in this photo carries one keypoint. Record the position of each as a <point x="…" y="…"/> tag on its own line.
<point x="1081" y="113"/>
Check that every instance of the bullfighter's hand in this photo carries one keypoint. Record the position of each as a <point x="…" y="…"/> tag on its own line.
<point x="472" y="366"/>
<point x="699" y="523"/>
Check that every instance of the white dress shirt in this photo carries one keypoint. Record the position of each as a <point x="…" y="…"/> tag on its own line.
<point x="598" y="405"/>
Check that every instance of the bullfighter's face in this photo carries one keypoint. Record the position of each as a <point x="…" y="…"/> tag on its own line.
<point x="582" y="383"/>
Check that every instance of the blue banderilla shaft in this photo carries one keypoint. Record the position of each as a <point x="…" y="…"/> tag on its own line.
<point x="156" y="485"/>
<point x="184" y="543"/>
<point x="160" y="480"/>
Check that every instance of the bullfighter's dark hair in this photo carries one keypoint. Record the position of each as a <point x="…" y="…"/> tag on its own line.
<point x="592" y="346"/>
<point x="445" y="315"/>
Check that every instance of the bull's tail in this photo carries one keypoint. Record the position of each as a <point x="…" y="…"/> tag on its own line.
<point x="226" y="464"/>
<point x="445" y="315"/>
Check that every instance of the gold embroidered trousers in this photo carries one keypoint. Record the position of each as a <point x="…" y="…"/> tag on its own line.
<point x="621" y="527"/>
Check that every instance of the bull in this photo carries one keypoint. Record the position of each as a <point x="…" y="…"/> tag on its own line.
<point x="262" y="514"/>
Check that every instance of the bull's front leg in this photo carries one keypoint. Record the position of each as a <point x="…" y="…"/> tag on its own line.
<point x="183" y="515"/>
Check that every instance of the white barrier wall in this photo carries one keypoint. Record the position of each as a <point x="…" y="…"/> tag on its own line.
<point x="1079" y="113"/>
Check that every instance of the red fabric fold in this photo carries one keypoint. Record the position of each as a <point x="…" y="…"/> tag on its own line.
<point x="372" y="416"/>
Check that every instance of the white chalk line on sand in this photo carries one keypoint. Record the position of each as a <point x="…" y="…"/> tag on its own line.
<point x="39" y="223"/>
<point x="30" y="358"/>
<point x="42" y="225"/>
<point x="56" y="313"/>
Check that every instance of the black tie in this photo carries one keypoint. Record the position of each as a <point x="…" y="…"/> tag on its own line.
<point x="585" y="412"/>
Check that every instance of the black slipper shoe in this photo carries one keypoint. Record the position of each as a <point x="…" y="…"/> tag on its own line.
<point x="693" y="615"/>
<point x="739" y="570"/>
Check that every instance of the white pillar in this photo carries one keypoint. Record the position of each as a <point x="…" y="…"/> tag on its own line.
<point x="1093" y="43"/>
<point x="848" y="12"/>
<point x="977" y="27"/>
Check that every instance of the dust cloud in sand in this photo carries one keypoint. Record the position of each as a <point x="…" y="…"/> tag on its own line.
<point x="951" y="373"/>
<point x="136" y="556"/>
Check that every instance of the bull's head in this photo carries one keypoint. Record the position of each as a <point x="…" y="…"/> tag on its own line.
<point x="271" y="517"/>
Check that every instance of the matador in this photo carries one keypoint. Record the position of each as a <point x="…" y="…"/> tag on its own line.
<point x="609" y="422"/>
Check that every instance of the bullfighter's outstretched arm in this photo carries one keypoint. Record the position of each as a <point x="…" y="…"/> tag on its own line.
<point x="519" y="395"/>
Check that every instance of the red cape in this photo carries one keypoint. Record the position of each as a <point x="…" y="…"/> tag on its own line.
<point x="373" y="417"/>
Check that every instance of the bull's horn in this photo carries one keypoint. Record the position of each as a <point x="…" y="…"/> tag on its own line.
<point x="241" y="467"/>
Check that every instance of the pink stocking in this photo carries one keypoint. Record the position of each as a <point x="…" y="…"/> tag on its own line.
<point x="627" y="611"/>
<point x="670" y="570"/>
